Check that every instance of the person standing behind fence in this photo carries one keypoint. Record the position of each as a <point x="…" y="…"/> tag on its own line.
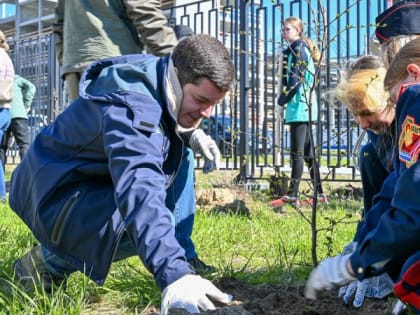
<point x="297" y="81"/>
<point x="86" y="33"/>
<point x="23" y="95"/>
<point x="7" y="73"/>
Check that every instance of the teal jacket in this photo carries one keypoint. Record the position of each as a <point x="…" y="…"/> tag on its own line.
<point x="23" y="95"/>
<point x="297" y="80"/>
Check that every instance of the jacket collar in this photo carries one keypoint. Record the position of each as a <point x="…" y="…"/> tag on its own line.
<point x="175" y="94"/>
<point x="174" y="90"/>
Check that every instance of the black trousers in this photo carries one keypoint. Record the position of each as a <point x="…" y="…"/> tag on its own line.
<point x="301" y="151"/>
<point x="19" y="129"/>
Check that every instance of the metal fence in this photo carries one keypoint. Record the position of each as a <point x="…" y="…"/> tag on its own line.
<point x="253" y="139"/>
<point x="34" y="59"/>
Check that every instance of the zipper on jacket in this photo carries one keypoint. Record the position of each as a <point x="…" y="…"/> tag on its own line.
<point x="120" y="234"/>
<point x="57" y="232"/>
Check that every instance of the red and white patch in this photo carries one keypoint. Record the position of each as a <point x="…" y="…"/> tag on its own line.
<point x="409" y="143"/>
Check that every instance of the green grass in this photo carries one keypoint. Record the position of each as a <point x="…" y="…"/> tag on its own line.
<point x="263" y="247"/>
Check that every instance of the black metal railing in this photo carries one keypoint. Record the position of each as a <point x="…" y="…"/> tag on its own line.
<point x="251" y="136"/>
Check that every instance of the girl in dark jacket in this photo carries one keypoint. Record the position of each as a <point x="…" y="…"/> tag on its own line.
<point x="300" y="102"/>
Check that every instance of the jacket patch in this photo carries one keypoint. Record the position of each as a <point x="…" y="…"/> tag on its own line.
<point x="409" y="143"/>
<point x="146" y="124"/>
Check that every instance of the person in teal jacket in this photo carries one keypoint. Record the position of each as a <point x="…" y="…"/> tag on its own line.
<point x="23" y="95"/>
<point x="297" y="97"/>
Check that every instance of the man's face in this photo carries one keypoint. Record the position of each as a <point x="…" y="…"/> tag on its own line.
<point x="197" y="102"/>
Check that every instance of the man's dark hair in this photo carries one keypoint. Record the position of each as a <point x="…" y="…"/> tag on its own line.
<point x="203" y="56"/>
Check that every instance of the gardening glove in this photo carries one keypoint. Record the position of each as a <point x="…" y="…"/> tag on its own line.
<point x="202" y="143"/>
<point x="398" y="308"/>
<point x="375" y="287"/>
<point x="191" y="293"/>
<point x="330" y="272"/>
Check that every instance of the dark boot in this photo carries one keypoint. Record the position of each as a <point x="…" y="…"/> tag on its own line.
<point x="31" y="271"/>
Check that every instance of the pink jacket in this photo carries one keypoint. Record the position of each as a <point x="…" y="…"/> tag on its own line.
<point x="7" y="71"/>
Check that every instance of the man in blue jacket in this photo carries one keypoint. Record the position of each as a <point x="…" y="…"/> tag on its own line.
<point x="120" y="27"/>
<point x="92" y="186"/>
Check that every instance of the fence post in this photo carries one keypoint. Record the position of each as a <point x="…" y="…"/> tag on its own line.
<point x="243" y="89"/>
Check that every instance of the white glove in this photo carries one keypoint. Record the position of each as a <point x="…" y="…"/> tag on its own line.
<point x="375" y="287"/>
<point x="329" y="273"/>
<point x="398" y="308"/>
<point x="191" y="293"/>
<point x="202" y="143"/>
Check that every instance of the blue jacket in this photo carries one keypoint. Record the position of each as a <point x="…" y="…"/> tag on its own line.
<point x="386" y="244"/>
<point x="297" y="80"/>
<point x="384" y="145"/>
<point x="102" y="168"/>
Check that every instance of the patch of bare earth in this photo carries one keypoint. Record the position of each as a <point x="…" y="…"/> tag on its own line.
<point x="266" y="299"/>
<point x="281" y="300"/>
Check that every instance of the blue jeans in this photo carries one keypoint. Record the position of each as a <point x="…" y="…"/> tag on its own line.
<point x="4" y="124"/>
<point x="180" y="199"/>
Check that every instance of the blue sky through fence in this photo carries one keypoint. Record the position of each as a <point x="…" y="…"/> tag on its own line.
<point x="350" y="21"/>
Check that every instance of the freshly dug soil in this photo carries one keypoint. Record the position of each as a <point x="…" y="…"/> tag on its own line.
<point x="280" y="300"/>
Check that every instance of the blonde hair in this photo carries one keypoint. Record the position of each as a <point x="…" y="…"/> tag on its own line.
<point x="3" y="42"/>
<point x="298" y="25"/>
<point x="361" y="88"/>
<point x="397" y="71"/>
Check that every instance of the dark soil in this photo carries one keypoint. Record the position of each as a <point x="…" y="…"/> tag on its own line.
<point x="280" y="300"/>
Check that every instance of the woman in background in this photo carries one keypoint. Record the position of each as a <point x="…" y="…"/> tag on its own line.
<point x="7" y="73"/>
<point x="301" y="106"/>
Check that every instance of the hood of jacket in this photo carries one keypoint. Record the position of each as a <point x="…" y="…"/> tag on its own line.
<point x="120" y="79"/>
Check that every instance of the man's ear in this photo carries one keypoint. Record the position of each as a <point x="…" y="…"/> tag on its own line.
<point x="413" y="70"/>
<point x="176" y="70"/>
